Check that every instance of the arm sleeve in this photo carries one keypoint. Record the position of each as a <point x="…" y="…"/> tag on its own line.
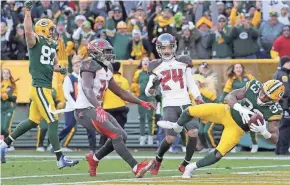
<point x="149" y="84"/>
<point x="193" y="89"/>
<point x="233" y="17"/>
<point x="67" y="89"/>
<point x="256" y="19"/>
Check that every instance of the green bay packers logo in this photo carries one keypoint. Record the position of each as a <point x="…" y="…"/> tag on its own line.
<point x="43" y="23"/>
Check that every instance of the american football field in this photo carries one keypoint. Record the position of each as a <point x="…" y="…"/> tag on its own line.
<point x="30" y="167"/>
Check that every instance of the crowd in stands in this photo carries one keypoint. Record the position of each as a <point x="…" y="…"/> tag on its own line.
<point x="204" y="29"/>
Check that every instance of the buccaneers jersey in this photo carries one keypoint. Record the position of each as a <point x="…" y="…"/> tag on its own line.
<point x="173" y="81"/>
<point x="102" y="77"/>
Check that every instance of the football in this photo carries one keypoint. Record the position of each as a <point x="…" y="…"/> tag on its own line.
<point x="254" y="119"/>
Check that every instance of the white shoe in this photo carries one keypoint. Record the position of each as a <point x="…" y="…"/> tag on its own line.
<point x="254" y="148"/>
<point x="204" y="150"/>
<point x="11" y="148"/>
<point x="40" y="149"/>
<point x="183" y="149"/>
<point x="66" y="149"/>
<point x="142" y="140"/>
<point x="234" y="150"/>
<point x="187" y="174"/>
<point x="170" y="125"/>
<point x="150" y="140"/>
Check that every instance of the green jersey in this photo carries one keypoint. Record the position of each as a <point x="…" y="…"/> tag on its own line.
<point x="272" y="112"/>
<point x="41" y="58"/>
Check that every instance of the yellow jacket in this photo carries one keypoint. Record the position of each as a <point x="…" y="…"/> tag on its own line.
<point x="111" y="100"/>
<point x="229" y="86"/>
<point x="135" y="85"/>
<point x="255" y="21"/>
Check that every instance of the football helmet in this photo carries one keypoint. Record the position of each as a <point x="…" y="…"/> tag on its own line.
<point x="102" y="51"/>
<point x="271" y="92"/>
<point x="163" y="41"/>
<point x="45" y="28"/>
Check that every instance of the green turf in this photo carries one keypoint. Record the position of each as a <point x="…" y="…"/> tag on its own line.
<point x="18" y="166"/>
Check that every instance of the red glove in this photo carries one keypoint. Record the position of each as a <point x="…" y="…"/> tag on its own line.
<point x="147" y="105"/>
<point x="101" y="114"/>
<point x="199" y="101"/>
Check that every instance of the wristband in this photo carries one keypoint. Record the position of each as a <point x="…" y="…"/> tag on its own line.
<point x="266" y="134"/>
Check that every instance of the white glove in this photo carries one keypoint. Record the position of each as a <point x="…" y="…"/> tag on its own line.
<point x="261" y="129"/>
<point x="244" y="112"/>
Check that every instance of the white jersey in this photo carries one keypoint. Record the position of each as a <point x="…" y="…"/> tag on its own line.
<point x="174" y="82"/>
<point x="101" y="82"/>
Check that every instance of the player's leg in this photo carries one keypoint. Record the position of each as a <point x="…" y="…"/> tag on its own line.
<point x="5" y="115"/>
<point x="41" y="132"/>
<point x="254" y="138"/>
<point x="69" y="128"/>
<point x="151" y="125"/>
<point x="92" y="140"/>
<point x="202" y="137"/>
<point x="142" y="117"/>
<point x="43" y="100"/>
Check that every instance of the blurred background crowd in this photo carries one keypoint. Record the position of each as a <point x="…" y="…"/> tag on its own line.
<point x="204" y="30"/>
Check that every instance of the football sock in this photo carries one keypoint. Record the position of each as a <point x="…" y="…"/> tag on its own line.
<point x="41" y="137"/>
<point x="53" y="138"/>
<point x="190" y="148"/>
<point x="122" y="150"/>
<point x="208" y="160"/>
<point x="21" y="128"/>
<point x="163" y="148"/>
<point x="106" y="149"/>
<point x="253" y="137"/>
<point x="184" y="118"/>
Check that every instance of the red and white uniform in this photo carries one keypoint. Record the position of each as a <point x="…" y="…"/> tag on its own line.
<point x="176" y="82"/>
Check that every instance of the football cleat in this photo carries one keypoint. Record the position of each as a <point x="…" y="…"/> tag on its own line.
<point x="40" y="149"/>
<point x="170" y="125"/>
<point x="156" y="167"/>
<point x="181" y="168"/>
<point x="66" y="162"/>
<point x="3" y="148"/>
<point x="142" y="168"/>
<point x="92" y="164"/>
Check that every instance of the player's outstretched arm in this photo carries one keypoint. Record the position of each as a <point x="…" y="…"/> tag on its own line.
<point x="29" y="33"/>
<point x="233" y="97"/>
<point x="125" y="95"/>
<point x="87" y="81"/>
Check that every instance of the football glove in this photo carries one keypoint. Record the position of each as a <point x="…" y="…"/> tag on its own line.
<point x="101" y="115"/>
<point x="261" y="129"/>
<point x="28" y="4"/>
<point x="63" y="71"/>
<point x="244" y="112"/>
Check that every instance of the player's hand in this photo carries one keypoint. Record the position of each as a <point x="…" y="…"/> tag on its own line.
<point x="101" y="115"/>
<point x="199" y="100"/>
<point x="244" y="112"/>
<point x="147" y="105"/>
<point x="4" y="96"/>
<point x="261" y="129"/>
<point x="63" y="71"/>
<point x="28" y="4"/>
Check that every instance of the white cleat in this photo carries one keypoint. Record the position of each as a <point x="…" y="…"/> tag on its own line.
<point x="66" y="149"/>
<point x="170" y="125"/>
<point x="11" y="149"/>
<point x="150" y="140"/>
<point x="40" y="149"/>
<point x="187" y="174"/>
<point x="254" y="148"/>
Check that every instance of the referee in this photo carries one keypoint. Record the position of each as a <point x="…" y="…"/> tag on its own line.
<point x="283" y="74"/>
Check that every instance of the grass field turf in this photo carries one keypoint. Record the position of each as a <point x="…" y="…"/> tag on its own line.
<point x="29" y="167"/>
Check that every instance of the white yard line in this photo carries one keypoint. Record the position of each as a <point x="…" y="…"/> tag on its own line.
<point x="128" y="172"/>
<point x="166" y="157"/>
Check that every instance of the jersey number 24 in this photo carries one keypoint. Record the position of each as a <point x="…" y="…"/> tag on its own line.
<point x="174" y="74"/>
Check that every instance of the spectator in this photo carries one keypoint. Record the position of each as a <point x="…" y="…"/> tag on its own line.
<point x="269" y="31"/>
<point x="175" y="6"/>
<point x="203" y="46"/>
<point x="5" y="44"/>
<point x="8" y="101"/>
<point x="139" y="48"/>
<point x="114" y="17"/>
<point x="84" y="10"/>
<point x="114" y="104"/>
<point x="284" y="17"/>
<point x="120" y="39"/>
<point x="187" y="42"/>
<point x="221" y="7"/>
<point x="244" y="39"/>
<point x="140" y="80"/>
<point x="99" y="26"/>
<point x="42" y="11"/>
<point x="228" y="9"/>
<point x="282" y="44"/>
<point x="221" y="40"/>
<point x="20" y="43"/>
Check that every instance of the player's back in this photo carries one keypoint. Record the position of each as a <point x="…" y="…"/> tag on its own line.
<point x="173" y="83"/>
<point x="41" y="62"/>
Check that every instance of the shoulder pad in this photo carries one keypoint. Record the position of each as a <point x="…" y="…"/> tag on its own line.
<point x="185" y="59"/>
<point x="90" y="66"/>
<point x="153" y="64"/>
